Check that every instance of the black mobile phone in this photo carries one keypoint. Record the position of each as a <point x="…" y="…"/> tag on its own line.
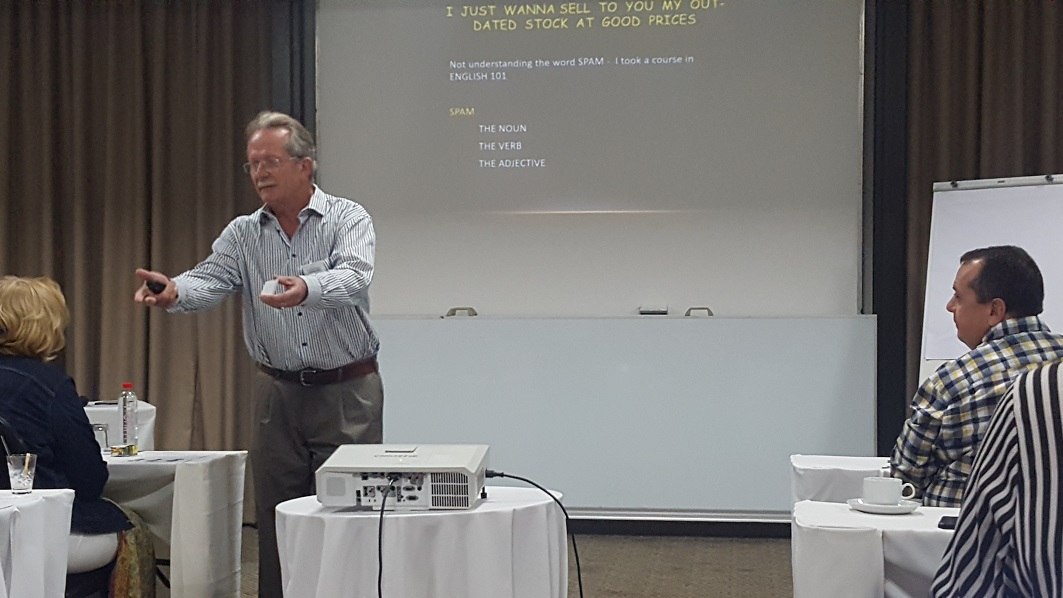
<point x="947" y="522"/>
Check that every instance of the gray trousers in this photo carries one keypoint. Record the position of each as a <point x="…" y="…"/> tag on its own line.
<point x="296" y="429"/>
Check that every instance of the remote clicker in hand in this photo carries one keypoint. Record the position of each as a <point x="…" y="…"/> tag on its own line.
<point x="155" y="286"/>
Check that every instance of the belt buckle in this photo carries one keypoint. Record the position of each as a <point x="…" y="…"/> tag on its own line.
<point x="302" y="376"/>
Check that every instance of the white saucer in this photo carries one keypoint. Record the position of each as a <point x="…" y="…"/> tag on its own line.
<point x="905" y="506"/>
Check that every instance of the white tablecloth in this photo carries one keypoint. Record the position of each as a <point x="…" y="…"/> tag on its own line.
<point x="33" y="542"/>
<point x="830" y="478"/>
<point x="192" y="501"/>
<point x="107" y="413"/>
<point x="840" y="552"/>
<point x="512" y="545"/>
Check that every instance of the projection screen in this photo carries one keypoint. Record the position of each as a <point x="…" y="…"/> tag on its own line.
<point x="589" y="158"/>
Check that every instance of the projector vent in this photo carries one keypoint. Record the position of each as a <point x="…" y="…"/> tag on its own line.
<point x="450" y="491"/>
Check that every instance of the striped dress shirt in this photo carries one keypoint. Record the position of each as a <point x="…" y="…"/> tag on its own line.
<point x="1009" y="537"/>
<point x="332" y="250"/>
<point x="953" y="406"/>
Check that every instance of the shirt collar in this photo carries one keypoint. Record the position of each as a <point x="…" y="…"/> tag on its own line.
<point x="317" y="205"/>
<point x="1015" y="326"/>
<point x="317" y="202"/>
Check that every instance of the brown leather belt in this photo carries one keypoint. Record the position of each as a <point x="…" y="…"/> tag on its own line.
<point x="315" y="377"/>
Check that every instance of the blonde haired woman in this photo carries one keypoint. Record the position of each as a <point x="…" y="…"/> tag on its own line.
<point x="41" y="403"/>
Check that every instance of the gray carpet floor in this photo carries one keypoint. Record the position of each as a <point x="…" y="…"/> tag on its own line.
<point x="649" y="567"/>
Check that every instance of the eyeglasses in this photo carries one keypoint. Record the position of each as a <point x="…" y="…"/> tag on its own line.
<point x="269" y="164"/>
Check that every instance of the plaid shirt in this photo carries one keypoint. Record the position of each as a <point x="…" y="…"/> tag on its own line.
<point x="952" y="408"/>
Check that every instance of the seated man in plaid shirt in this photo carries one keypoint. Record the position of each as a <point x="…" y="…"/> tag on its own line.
<point x="997" y="296"/>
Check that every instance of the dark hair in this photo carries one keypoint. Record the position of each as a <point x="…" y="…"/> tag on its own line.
<point x="1008" y="273"/>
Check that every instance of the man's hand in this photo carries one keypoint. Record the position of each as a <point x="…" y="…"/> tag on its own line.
<point x="294" y="293"/>
<point x="164" y="298"/>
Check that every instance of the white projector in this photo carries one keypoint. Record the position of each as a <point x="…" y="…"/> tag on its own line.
<point x="421" y="477"/>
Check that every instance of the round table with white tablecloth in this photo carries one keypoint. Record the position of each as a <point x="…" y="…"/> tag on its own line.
<point x="192" y="503"/>
<point x="837" y="551"/>
<point x="33" y="542"/>
<point x="511" y="545"/>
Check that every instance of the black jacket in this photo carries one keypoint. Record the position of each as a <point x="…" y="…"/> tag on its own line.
<point x="41" y="403"/>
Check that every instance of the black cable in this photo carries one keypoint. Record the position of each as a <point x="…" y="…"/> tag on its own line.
<point x="572" y="536"/>
<point x="380" y="539"/>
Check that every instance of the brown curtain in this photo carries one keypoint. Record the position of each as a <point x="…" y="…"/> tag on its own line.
<point x="122" y="128"/>
<point x="983" y="102"/>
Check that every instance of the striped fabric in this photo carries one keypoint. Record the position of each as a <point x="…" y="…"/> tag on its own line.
<point x="1009" y="538"/>
<point x="953" y="406"/>
<point x="332" y="250"/>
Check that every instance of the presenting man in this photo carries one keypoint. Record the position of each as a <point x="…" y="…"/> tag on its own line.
<point x="302" y="264"/>
<point x="997" y="295"/>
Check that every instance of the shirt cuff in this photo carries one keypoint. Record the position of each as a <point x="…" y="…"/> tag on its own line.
<point x="182" y="293"/>
<point x="313" y="291"/>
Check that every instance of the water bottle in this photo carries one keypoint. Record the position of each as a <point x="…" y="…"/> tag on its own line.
<point x="127" y="405"/>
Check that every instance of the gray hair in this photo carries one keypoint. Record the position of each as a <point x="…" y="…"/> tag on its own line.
<point x="300" y="143"/>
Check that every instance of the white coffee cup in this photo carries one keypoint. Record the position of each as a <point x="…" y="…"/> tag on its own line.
<point x="886" y="491"/>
